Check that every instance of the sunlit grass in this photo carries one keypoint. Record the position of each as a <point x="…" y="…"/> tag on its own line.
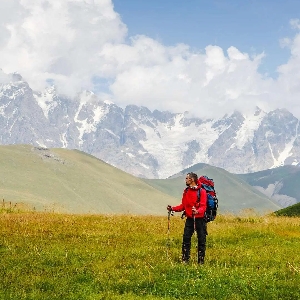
<point x="55" y="256"/>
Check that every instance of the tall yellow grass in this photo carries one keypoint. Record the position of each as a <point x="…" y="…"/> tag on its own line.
<point x="59" y="256"/>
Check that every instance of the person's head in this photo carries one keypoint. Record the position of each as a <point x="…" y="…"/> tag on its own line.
<point x="191" y="179"/>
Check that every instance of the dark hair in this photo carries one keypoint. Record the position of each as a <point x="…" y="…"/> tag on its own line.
<point x="194" y="176"/>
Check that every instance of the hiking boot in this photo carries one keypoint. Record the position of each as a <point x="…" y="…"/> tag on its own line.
<point x="200" y="260"/>
<point x="201" y="255"/>
<point x="185" y="253"/>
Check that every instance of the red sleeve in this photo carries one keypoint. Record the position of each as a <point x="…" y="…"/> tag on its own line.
<point x="202" y="205"/>
<point x="179" y="207"/>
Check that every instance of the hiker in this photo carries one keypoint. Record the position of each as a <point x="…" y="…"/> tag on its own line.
<point x="195" y="212"/>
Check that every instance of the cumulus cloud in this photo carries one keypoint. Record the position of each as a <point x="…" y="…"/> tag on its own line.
<point x="77" y="44"/>
<point x="57" y="40"/>
<point x="5" y="78"/>
<point x="177" y="78"/>
<point x="286" y="93"/>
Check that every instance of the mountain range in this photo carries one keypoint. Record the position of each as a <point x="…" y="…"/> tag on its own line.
<point x="148" y="144"/>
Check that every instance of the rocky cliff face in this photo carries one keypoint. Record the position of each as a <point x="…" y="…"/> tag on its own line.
<point x="144" y="143"/>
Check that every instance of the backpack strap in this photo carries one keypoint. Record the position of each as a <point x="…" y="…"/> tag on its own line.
<point x="185" y="190"/>
<point x="198" y="196"/>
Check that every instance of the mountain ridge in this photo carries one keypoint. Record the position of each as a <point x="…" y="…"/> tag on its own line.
<point x="235" y="195"/>
<point x="280" y="184"/>
<point x="141" y="142"/>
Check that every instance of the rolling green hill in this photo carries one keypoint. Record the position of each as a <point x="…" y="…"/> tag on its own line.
<point x="71" y="181"/>
<point x="290" y="211"/>
<point x="234" y="194"/>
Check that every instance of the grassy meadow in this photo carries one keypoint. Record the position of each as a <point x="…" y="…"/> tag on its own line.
<point x="61" y="256"/>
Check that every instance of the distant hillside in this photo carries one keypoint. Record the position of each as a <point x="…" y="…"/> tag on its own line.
<point x="74" y="182"/>
<point x="234" y="194"/>
<point x="290" y="211"/>
<point x="280" y="184"/>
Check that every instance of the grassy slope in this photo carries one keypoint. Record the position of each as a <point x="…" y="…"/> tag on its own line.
<point x="71" y="181"/>
<point x="55" y="256"/>
<point x="234" y="194"/>
<point x="289" y="176"/>
<point x="290" y="211"/>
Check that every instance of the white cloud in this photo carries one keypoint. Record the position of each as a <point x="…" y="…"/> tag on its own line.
<point x="72" y="42"/>
<point x="58" y="40"/>
<point x="5" y="78"/>
<point x="206" y="84"/>
<point x="287" y="89"/>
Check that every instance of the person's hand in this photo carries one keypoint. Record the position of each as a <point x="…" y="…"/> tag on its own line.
<point x="194" y="210"/>
<point x="169" y="208"/>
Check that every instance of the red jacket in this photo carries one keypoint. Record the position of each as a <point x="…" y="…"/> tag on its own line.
<point x="189" y="199"/>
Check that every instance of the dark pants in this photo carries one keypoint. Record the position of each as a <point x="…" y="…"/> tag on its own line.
<point x="201" y="229"/>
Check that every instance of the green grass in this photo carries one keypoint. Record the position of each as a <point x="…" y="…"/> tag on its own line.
<point x="290" y="211"/>
<point x="57" y="256"/>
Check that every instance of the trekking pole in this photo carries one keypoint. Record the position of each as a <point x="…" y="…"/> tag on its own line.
<point x="170" y="213"/>
<point x="194" y="218"/>
<point x="195" y="231"/>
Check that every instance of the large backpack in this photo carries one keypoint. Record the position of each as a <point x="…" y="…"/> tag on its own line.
<point x="212" y="200"/>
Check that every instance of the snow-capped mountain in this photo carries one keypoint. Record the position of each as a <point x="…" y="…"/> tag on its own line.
<point x="145" y="143"/>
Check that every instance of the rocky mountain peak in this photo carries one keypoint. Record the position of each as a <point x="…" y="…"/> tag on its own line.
<point x="141" y="142"/>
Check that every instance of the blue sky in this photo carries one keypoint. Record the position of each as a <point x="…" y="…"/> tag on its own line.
<point x="217" y="56"/>
<point x="252" y="26"/>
